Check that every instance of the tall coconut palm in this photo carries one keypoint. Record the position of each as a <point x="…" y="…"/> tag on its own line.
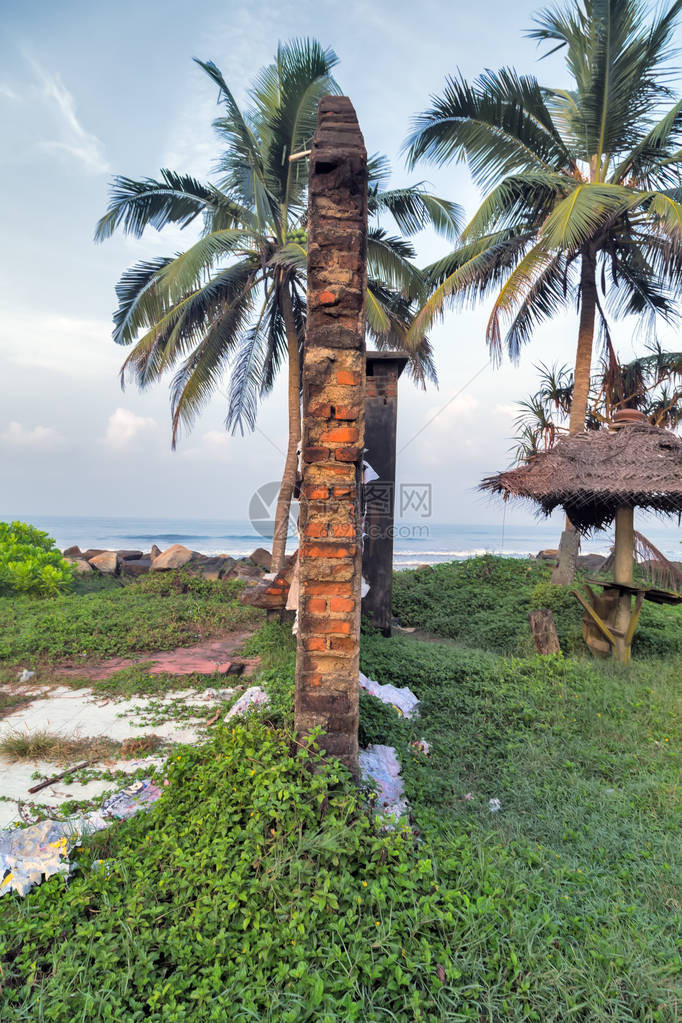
<point x="232" y="306"/>
<point x="583" y="197"/>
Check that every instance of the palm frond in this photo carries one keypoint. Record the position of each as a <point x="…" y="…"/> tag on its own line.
<point x="413" y="209"/>
<point x="135" y="205"/>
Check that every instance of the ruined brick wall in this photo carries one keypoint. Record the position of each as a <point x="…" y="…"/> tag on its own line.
<point x="327" y="663"/>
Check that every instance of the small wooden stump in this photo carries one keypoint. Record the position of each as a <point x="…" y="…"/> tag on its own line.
<point x="544" y="632"/>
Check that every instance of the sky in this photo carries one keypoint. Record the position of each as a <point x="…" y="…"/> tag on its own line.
<point x="89" y="89"/>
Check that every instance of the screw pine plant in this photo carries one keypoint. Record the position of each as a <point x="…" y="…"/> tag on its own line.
<point x="232" y="306"/>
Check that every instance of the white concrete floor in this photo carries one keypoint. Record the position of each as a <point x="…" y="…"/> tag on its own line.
<point x="78" y="713"/>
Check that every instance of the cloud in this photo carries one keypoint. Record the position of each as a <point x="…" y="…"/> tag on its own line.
<point x="216" y="445"/>
<point x="60" y="344"/>
<point x="7" y="92"/>
<point x="40" y="437"/>
<point x="124" y="426"/>
<point x="76" y="141"/>
<point x="507" y="410"/>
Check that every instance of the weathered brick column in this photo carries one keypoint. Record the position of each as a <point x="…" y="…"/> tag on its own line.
<point x="327" y="662"/>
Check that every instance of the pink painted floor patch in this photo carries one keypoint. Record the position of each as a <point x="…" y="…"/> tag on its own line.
<point x="203" y="659"/>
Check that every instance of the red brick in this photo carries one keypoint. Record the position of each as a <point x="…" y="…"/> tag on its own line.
<point x="346" y="377"/>
<point x="316" y="529"/>
<point x="327" y="298"/>
<point x="325" y="550"/>
<point x="344" y="492"/>
<point x="314" y="643"/>
<point x="320" y="411"/>
<point x="317" y="493"/>
<point x="332" y="625"/>
<point x="346" y="529"/>
<point x="332" y="589"/>
<point x="345" y="412"/>
<point x="340" y="435"/>
<point x="347" y="454"/>
<point x="313" y="454"/>
<point x="343" y="643"/>
<point x="318" y="605"/>
<point x="341" y="604"/>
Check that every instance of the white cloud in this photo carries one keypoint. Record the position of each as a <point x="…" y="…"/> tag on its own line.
<point x="216" y="445"/>
<point x="40" y="437"/>
<point x="124" y="426"/>
<point x="76" y="141"/>
<point x="60" y="344"/>
<point x="7" y="92"/>
<point x="506" y="410"/>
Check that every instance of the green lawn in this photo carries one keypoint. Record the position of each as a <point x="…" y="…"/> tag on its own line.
<point x="109" y="618"/>
<point x="254" y="890"/>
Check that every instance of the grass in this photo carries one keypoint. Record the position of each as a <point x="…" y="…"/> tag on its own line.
<point x="256" y="889"/>
<point x="484" y="603"/>
<point x="42" y="744"/>
<point x="158" y="612"/>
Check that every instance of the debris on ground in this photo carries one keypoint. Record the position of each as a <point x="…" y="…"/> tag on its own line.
<point x="420" y="746"/>
<point x="380" y="764"/>
<point x="253" y="697"/>
<point x="494" y="805"/>
<point x="403" y="699"/>
<point x="25" y="675"/>
<point x="27" y="855"/>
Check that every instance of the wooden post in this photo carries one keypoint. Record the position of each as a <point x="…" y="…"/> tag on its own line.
<point x="330" y="571"/>
<point x="544" y="632"/>
<point x="381" y="417"/>
<point x="623" y="573"/>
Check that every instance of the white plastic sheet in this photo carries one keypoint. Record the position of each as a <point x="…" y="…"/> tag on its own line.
<point x="42" y="850"/>
<point x="253" y="697"/>
<point x="403" y="699"/>
<point x="380" y="764"/>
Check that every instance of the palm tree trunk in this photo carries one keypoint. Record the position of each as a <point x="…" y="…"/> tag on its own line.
<point x="569" y="544"/>
<point x="286" y="491"/>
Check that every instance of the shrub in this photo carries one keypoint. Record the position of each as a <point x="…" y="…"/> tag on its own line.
<point x="30" y="562"/>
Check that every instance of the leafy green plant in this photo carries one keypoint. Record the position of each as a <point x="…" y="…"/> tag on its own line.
<point x="30" y="562"/>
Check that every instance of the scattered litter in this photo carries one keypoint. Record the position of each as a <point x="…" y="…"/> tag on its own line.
<point x="26" y="675"/>
<point x="494" y="805"/>
<point x="253" y="697"/>
<point x="370" y="475"/>
<point x="364" y="587"/>
<point x="404" y="628"/>
<point x="42" y="850"/>
<point x="380" y="764"/>
<point x="403" y="699"/>
<point x="469" y="795"/>
<point x="420" y="746"/>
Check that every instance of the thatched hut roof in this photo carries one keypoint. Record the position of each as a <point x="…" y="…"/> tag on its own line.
<point x="593" y="474"/>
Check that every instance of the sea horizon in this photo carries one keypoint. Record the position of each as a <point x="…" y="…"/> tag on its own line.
<point x="415" y="543"/>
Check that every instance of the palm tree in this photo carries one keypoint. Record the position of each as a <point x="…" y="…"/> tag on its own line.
<point x="651" y="383"/>
<point x="233" y="304"/>
<point x="582" y="185"/>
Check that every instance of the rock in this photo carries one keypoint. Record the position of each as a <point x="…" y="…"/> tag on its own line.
<point x="155" y="551"/>
<point x="131" y="569"/>
<point x="175" y="556"/>
<point x="244" y="569"/>
<point x="210" y="568"/>
<point x="92" y="552"/>
<point x="82" y="567"/>
<point x="548" y="555"/>
<point x="129" y="555"/>
<point x="591" y="562"/>
<point x="262" y="558"/>
<point x="106" y="562"/>
<point x="73" y="552"/>
<point x="228" y="566"/>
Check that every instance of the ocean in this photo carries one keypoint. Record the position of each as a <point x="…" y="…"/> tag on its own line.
<point x="417" y="543"/>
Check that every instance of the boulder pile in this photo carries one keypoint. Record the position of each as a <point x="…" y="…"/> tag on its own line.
<point x="131" y="564"/>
